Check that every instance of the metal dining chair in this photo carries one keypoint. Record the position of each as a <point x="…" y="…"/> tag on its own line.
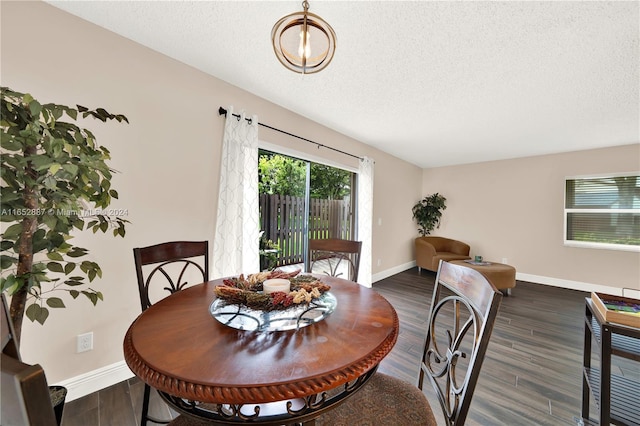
<point x="335" y="257"/>
<point x="172" y="266"/>
<point x="463" y="311"/>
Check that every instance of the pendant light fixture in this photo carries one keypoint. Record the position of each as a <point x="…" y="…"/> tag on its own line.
<point x="303" y="41"/>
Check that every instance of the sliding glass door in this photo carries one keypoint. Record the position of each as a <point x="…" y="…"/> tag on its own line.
<point x="301" y="200"/>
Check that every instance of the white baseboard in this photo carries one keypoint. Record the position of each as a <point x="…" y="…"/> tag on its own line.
<point x="537" y="279"/>
<point x="101" y="378"/>
<point x="93" y="381"/>
<point x="392" y="271"/>
<point x="577" y="285"/>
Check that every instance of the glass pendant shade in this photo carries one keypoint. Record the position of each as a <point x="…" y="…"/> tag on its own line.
<point x="303" y="41"/>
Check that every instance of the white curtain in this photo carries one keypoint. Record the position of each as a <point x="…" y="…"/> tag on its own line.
<point x="235" y="245"/>
<point x="365" y="218"/>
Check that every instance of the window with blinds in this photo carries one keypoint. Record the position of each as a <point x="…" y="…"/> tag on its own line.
<point x="603" y="212"/>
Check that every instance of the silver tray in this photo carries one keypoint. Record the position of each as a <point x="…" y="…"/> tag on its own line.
<point x="242" y="317"/>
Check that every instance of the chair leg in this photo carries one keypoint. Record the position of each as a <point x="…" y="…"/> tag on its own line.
<point x="145" y="405"/>
<point x="506" y="292"/>
<point x="145" y="418"/>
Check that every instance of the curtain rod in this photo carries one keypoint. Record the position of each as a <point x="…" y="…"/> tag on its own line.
<point x="222" y="111"/>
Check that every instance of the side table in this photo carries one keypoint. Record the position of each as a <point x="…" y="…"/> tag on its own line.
<point x="616" y="396"/>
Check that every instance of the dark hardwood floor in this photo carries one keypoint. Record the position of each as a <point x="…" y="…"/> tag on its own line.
<point x="531" y="374"/>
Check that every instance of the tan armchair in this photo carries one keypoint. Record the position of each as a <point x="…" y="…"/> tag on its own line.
<point x="431" y="250"/>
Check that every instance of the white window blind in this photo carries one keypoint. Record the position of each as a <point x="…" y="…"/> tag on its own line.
<point x="603" y="212"/>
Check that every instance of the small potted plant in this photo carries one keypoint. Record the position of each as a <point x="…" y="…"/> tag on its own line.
<point x="427" y="213"/>
<point x="268" y="253"/>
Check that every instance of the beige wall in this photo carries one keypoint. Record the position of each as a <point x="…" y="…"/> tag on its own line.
<point x="514" y="209"/>
<point x="168" y="159"/>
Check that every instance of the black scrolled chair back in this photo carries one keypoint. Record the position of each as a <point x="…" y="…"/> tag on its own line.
<point x="334" y="257"/>
<point x="460" y="322"/>
<point x="463" y="312"/>
<point x="173" y="261"/>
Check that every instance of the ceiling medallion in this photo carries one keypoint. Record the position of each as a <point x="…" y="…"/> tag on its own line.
<point x="303" y="41"/>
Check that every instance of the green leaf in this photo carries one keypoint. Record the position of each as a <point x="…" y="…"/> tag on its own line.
<point x="50" y="221"/>
<point x="9" y="284"/>
<point x="35" y="108"/>
<point x="55" y="267"/>
<point x="78" y="224"/>
<point x="41" y="161"/>
<point x="77" y="278"/>
<point x="55" y="302"/>
<point x="71" y="168"/>
<point x="10" y="143"/>
<point x="39" y="241"/>
<point x="56" y="111"/>
<point x="77" y="252"/>
<point x="9" y="196"/>
<point x="12" y="231"/>
<point x="6" y="245"/>
<point x="55" y="256"/>
<point x="53" y="169"/>
<point x="50" y="182"/>
<point x="38" y="313"/>
<point x="69" y="267"/>
<point x="74" y="293"/>
<point x="91" y="296"/>
<point x="56" y="239"/>
<point x="7" y="261"/>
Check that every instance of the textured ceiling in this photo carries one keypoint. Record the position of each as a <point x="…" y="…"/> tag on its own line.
<point x="433" y="83"/>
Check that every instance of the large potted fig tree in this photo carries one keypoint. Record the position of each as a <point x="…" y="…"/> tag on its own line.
<point x="55" y="180"/>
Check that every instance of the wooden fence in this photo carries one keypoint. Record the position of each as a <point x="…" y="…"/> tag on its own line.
<point x="282" y="220"/>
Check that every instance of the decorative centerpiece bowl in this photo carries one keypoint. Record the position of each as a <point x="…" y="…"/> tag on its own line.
<point x="250" y="291"/>
<point x="272" y="301"/>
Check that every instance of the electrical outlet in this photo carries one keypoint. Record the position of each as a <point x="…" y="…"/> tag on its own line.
<point x="84" y="342"/>
<point x="505" y="260"/>
<point x="379" y="262"/>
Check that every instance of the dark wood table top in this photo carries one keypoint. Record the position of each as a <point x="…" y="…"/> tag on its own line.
<point x="176" y="346"/>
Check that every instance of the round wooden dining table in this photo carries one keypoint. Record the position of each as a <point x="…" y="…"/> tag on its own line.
<point x="205" y="368"/>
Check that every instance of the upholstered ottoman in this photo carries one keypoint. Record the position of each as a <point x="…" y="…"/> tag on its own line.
<point x="502" y="276"/>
